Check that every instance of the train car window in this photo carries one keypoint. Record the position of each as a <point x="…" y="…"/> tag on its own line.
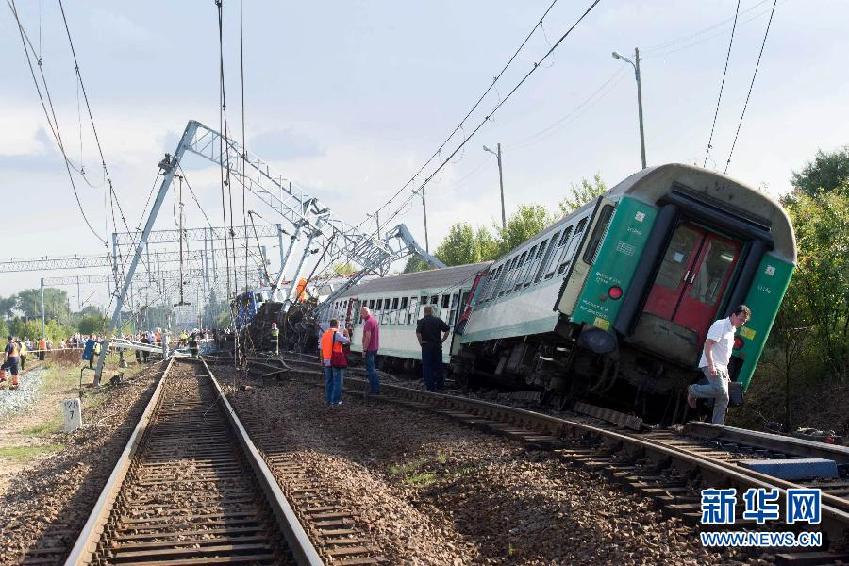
<point x="371" y="304"/>
<point x="396" y="314"/>
<point x="561" y="243"/>
<point x="545" y="254"/>
<point x="483" y="287"/>
<point x="379" y="304"/>
<point x="507" y="277"/>
<point x="490" y="286"/>
<point x="452" y="317"/>
<point x="523" y="266"/>
<point x="515" y="277"/>
<point x="445" y="301"/>
<point x="533" y="259"/>
<point x="414" y="310"/>
<point x="599" y="231"/>
<point x="493" y="285"/>
<point x="404" y="316"/>
<point x="434" y="300"/>
<point x="571" y="247"/>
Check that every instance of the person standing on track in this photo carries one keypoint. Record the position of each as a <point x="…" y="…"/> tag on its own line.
<point x="427" y="332"/>
<point x="333" y="362"/>
<point x="714" y="363"/>
<point x="371" y="343"/>
<point x="275" y="334"/>
<point x="22" y="345"/>
<point x="12" y="360"/>
<point x="42" y="345"/>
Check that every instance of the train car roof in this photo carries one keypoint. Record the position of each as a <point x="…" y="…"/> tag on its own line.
<point x="435" y="279"/>
<point x="652" y="183"/>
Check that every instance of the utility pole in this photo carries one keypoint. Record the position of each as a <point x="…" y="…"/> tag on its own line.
<point x="424" y="211"/>
<point x="497" y="155"/>
<point x="640" y="106"/>
<point x="42" y="307"/>
<point x="638" y="75"/>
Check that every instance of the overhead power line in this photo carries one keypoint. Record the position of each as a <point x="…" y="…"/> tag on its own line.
<point x="52" y="122"/>
<point x="459" y="126"/>
<point x="501" y="103"/>
<point x="751" y="86"/>
<point x="722" y="84"/>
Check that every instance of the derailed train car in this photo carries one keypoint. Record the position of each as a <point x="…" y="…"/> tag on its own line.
<point x="614" y="300"/>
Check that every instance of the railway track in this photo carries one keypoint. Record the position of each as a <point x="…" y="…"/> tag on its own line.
<point x="191" y="488"/>
<point x="671" y="466"/>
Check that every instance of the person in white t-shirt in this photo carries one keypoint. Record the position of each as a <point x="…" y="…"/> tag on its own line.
<point x="714" y="363"/>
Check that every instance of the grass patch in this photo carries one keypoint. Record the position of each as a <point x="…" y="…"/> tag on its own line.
<point x="422" y="479"/>
<point x="21" y="453"/>
<point x="45" y="428"/>
<point x="407" y="468"/>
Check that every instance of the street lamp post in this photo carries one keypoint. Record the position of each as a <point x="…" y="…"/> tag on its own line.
<point x="424" y="215"/>
<point x="500" y="182"/>
<point x="639" y="97"/>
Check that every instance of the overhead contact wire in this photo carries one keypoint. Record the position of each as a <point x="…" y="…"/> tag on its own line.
<point x="722" y="84"/>
<point x="751" y="86"/>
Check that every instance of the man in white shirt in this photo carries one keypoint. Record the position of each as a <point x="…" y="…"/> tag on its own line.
<point x="714" y="363"/>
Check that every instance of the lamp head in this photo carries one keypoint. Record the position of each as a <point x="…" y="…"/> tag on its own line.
<point x="615" y="55"/>
<point x="487" y="149"/>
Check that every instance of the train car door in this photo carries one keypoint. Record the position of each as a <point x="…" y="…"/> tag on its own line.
<point x="692" y="278"/>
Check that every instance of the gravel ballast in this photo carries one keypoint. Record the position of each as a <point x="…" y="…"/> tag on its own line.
<point x="47" y="504"/>
<point x="429" y="491"/>
<point x="15" y="400"/>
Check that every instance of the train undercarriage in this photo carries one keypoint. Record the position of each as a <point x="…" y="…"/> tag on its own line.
<point x="624" y="379"/>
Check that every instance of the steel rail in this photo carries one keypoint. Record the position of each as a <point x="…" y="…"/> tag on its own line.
<point x="86" y="545"/>
<point x="299" y="542"/>
<point x="835" y="510"/>
<point x="83" y="552"/>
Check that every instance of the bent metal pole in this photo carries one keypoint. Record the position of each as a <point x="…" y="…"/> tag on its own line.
<point x="168" y="167"/>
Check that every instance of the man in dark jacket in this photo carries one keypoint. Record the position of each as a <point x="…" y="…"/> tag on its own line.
<point x="428" y="332"/>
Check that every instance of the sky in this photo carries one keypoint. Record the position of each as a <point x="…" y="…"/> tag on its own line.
<point x="349" y="99"/>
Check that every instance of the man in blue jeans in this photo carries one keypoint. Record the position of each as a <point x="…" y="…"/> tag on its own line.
<point x="333" y="340"/>
<point x="371" y="344"/>
<point x="714" y="363"/>
<point x="428" y="332"/>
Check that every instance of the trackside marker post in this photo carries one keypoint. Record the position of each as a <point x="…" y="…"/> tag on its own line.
<point x="72" y="412"/>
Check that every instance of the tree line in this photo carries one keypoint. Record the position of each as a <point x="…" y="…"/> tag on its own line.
<point x="465" y="243"/>
<point x="20" y="315"/>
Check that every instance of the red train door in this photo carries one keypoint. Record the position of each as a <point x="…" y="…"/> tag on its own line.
<point x="692" y="278"/>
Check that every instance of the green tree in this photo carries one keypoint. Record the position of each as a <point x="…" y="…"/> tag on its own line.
<point x="487" y="244"/>
<point x="459" y="247"/>
<point x="6" y="306"/>
<point x="819" y="291"/>
<point x="827" y="172"/>
<point x="527" y="221"/>
<point x="92" y="325"/>
<point x="23" y="328"/>
<point x="415" y="263"/>
<point x="582" y="193"/>
<point x="55" y="304"/>
<point x="89" y="310"/>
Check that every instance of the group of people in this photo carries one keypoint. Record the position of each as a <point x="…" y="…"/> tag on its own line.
<point x="431" y="332"/>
